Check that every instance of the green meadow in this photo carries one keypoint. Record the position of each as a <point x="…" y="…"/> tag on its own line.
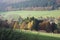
<point x="24" y="14"/>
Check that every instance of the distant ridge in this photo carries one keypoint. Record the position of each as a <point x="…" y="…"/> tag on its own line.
<point x="29" y="5"/>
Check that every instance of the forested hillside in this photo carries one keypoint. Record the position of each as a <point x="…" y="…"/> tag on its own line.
<point x="29" y="4"/>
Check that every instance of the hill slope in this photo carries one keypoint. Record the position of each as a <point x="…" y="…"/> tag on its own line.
<point x="24" y="14"/>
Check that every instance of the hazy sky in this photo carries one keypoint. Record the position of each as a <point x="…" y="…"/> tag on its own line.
<point x="12" y="1"/>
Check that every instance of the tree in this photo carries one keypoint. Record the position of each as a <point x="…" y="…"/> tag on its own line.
<point x="30" y="25"/>
<point x="16" y="26"/>
<point x="20" y="20"/>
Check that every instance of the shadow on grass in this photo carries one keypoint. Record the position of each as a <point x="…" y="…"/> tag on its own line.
<point x="7" y="34"/>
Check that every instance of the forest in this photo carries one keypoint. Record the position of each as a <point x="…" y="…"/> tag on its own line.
<point x="29" y="4"/>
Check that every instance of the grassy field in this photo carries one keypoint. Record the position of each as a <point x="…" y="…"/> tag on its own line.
<point x="7" y="34"/>
<point x="24" y="14"/>
<point x="42" y="33"/>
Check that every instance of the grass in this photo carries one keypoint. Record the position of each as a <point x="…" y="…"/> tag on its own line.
<point x="54" y="13"/>
<point x="7" y="34"/>
<point x="42" y="33"/>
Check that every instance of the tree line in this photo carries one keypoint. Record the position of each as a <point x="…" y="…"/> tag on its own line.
<point x="48" y="24"/>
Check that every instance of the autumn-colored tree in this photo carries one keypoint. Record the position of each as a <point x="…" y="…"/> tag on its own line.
<point x="16" y="25"/>
<point x="30" y="24"/>
<point x="23" y="25"/>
